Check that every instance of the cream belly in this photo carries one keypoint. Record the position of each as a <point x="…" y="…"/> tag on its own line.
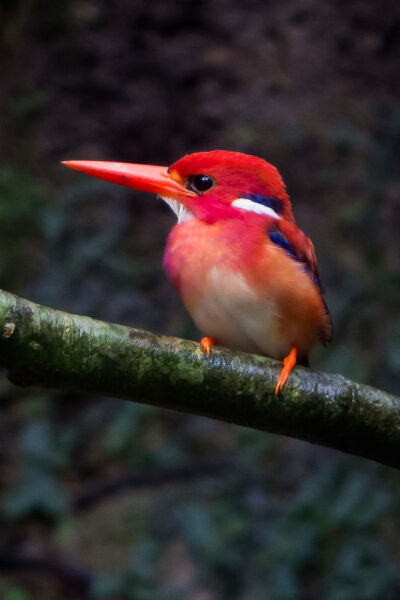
<point x="237" y="317"/>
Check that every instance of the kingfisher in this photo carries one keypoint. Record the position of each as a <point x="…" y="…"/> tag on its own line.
<point x="246" y="273"/>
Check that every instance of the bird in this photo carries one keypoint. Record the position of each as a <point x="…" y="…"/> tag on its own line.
<point x="246" y="273"/>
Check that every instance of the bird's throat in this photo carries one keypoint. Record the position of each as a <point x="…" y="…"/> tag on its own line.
<point x="182" y="213"/>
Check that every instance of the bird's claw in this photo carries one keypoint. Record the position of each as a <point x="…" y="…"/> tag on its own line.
<point x="288" y="363"/>
<point x="207" y="343"/>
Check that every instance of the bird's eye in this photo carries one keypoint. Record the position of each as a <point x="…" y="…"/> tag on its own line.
<point x="200" y="183"/>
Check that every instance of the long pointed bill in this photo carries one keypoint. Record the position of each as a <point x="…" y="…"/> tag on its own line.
<point x="145" y="178"/>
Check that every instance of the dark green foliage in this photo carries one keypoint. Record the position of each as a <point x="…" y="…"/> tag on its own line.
<point x="322" y="538"/>
<point x="37" y="488"/>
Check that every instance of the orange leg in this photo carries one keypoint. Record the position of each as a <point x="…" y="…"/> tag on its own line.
<point x="207" y="343"/>
<point x="288" y="364"/>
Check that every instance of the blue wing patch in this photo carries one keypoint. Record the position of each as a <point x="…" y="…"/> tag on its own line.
<point x="277" y="238"/>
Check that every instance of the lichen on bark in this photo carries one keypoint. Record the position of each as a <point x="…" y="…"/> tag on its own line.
<point x="46" y="347"/>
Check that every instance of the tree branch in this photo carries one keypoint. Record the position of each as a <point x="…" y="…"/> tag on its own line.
<point x="47" y="347"/>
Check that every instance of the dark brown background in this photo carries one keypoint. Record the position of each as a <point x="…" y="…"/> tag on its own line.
<point x="313" y="87"/>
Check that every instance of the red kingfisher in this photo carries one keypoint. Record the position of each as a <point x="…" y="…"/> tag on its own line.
<point x="246" y="273"/>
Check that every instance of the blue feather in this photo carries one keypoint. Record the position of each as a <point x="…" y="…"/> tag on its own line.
<point x="281" y="240"/>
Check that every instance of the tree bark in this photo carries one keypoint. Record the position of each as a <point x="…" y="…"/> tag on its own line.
<point x="46" y="347"/>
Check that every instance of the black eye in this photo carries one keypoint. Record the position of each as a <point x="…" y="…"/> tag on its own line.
<point x="200" y="183"/>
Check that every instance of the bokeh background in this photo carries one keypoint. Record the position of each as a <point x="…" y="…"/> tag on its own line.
<point x="113" y="500"/>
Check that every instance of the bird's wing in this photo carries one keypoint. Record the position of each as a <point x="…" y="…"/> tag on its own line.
<point x="298" y="246"/>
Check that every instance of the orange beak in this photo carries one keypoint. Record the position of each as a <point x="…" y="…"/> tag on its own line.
<point x="145" y="178"/>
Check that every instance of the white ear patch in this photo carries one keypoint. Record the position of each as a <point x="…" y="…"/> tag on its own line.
<point x="256" y="207"/>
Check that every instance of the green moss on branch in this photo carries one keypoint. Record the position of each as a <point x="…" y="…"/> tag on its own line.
<point x="46" y="347"/>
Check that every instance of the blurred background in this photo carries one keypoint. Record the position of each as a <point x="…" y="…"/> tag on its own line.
<point x="113" y="500"/>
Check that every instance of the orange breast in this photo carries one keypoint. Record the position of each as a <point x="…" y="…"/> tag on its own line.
<point x="242" y="289"/>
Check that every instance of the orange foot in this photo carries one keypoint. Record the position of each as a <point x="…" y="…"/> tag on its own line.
<point x="207" y="343"/>
<point x="288" y="364"/>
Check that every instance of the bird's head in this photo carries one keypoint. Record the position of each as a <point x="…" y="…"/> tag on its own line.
<point x="206" y="185"/>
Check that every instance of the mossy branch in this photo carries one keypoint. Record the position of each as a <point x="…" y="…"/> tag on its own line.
<point x="47" y="347"/>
